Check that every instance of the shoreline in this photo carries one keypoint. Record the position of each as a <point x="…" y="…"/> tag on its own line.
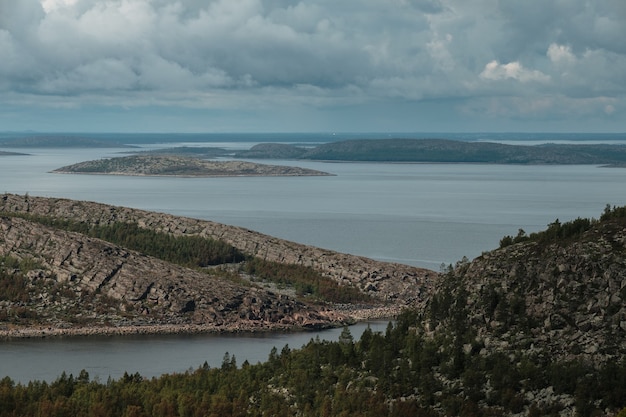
<point x="353" y="315"/>
<point x="225" y="175"/>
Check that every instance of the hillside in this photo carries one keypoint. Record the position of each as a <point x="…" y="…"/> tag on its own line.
<point x="561" y="292"/>
<point x="95" y="268"/>
<point x="443" y="150"/>
<point x="174" y="165"/>
<point x="544" y="315"/>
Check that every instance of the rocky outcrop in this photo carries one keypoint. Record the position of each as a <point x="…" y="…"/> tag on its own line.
<point x="400" y="284"/>
<point x="78" y="279"/>
<point x="141" y="289"/>
<point x="565" y="298"/>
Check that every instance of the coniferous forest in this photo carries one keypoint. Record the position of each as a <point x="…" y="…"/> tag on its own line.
<point x="398" y="373"/>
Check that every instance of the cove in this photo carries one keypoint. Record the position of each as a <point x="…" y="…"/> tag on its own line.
<point x="45" y="359"/>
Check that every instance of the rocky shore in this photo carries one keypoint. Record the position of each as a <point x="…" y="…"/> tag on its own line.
<point x="343" y="315"/>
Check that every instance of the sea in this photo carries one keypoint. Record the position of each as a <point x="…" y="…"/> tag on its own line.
<point x="425" y="215"/>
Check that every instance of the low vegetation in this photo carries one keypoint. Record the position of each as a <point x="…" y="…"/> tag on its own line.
<point x="29" y="295"/>
<point x="307" y="282"/>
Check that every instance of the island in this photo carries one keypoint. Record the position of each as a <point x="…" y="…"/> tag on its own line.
<point x="443" y="151"/>
<point x="60" y="141"/>
<point x="174" y="165"/>
<point x="3" y="153"/>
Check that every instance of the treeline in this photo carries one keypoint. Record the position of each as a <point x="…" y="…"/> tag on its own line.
<point x="400" y="372"/>
<point x="305" y="280"/>
<point x="14" y="286"/>
<point x="189" y="251"/>
<point x="194" y="251"/>
<point x="562" y="232"/>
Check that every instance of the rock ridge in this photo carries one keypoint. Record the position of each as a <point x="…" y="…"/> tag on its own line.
<point x="80" y="281"/>
<point x="390" y="282"/>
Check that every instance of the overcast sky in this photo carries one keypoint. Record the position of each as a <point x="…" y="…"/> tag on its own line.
<point x="313" y="65"/>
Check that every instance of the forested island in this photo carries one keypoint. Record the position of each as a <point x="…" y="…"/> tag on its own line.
<point x="442" y="151"/>
<point x="419" y="150"/>
<point x="536" y="327"/>
<point x="175" y="165"/>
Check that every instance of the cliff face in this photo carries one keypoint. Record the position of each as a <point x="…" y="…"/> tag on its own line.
<point x="103" y="283"/>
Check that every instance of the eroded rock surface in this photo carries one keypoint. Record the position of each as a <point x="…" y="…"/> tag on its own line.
<point x="138" y="289"/>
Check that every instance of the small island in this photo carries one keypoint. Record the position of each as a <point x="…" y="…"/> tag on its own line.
<point x="3" y="153"/>
<point x="60" y="141"/>
<point x="172" y="165"/>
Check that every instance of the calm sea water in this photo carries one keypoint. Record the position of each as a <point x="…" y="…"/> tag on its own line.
<point x="418" y="214"/>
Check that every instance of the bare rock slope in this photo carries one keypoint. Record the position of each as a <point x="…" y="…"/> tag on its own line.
<point x="148" y="291"/>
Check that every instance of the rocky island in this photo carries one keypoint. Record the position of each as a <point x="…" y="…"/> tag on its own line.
<point x="174" y="165"/>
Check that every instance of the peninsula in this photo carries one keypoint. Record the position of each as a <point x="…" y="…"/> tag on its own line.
<point x="182" y="166"/>
<point x="76" y="268"/>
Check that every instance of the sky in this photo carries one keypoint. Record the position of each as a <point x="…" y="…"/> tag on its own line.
<point x="313" y="65"/>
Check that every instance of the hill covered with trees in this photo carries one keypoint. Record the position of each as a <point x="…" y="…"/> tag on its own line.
<point x="443" y="150"/>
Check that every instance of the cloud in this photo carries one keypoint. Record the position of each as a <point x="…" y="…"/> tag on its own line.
<point x="513" y="70"/>
<point x="560" y="54"/>
<point x="256" y="54"/>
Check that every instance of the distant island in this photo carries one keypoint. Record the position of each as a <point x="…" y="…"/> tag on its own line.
<point x="3" y="153"/>
<point x="173" y="165"/>
<point x="205" y="152"/>
<point x="401" y="150"/>
<point x="59" y="141"/>
<point x="442" y="151"/>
